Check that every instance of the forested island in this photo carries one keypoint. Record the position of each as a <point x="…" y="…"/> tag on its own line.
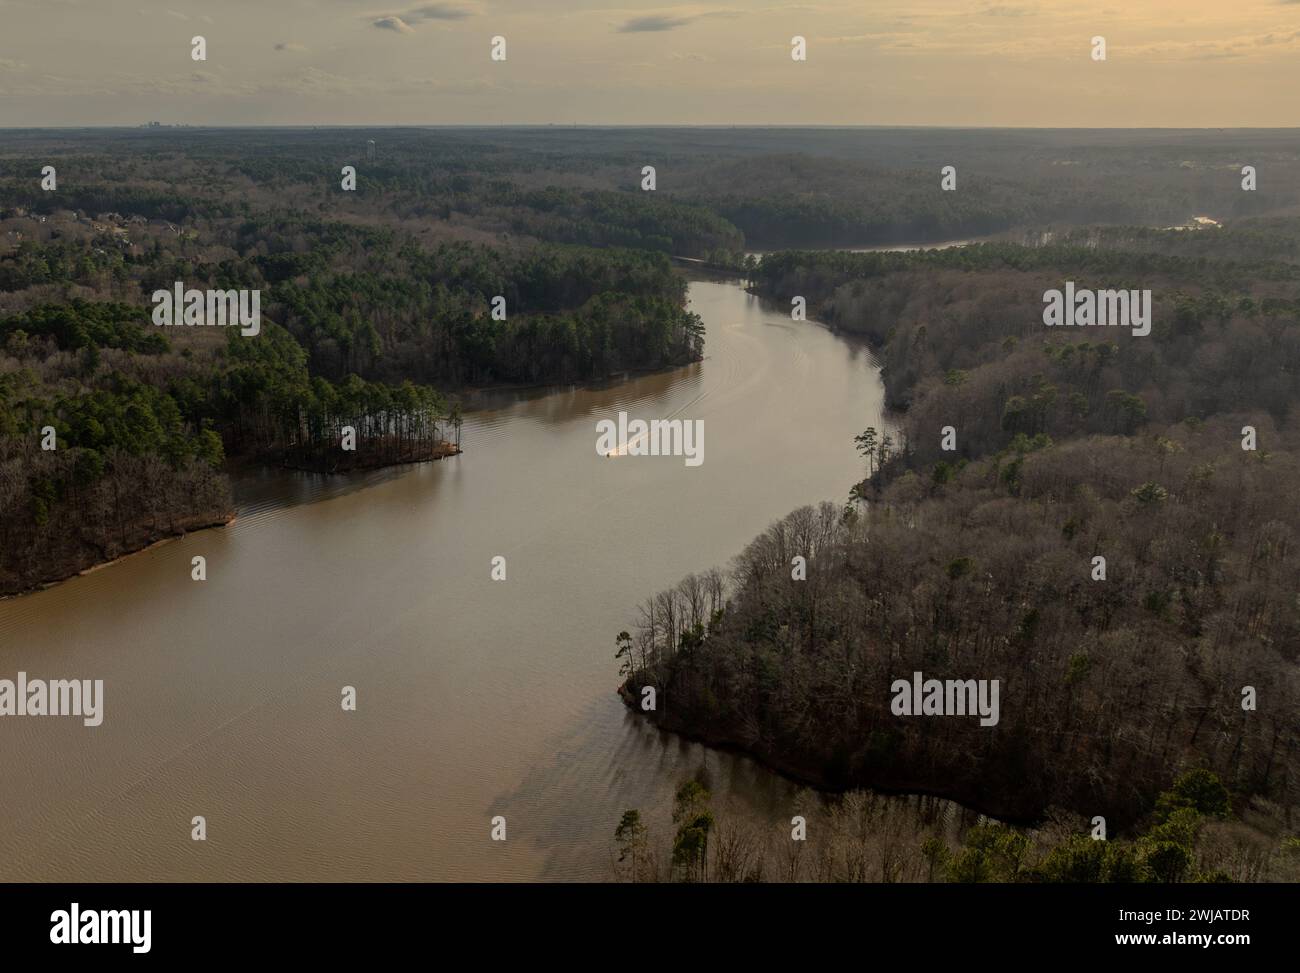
<point x="1172" y="456"/>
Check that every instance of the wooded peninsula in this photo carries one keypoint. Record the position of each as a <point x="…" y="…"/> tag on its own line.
<point x="1018" y="455"/>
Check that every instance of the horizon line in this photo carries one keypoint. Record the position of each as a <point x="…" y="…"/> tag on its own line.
<point x="147" y="126"/>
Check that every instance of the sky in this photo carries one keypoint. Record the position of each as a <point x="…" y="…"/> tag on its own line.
<point x="1169" y="63"/>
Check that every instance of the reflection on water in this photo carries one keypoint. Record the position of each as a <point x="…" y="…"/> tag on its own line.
<point x="475" y="697"/>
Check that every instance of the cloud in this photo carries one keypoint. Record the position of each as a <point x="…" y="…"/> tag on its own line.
<point x="404" y="22"/>
<point x="9" y="64"/>
<point x="53" y="84"/>
<point x="393" y="23"/>
<point x="313" y="81"/>
<point x="444" y="86"/>
<point x="653" y="22"/>
<point x="195" y="83"/>
<point x="883" y="41"/>
<point x="437" y="11"/>
<point x="1269" y="45"/>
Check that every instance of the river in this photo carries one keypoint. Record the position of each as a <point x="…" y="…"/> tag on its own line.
<point x="475" y="697"/>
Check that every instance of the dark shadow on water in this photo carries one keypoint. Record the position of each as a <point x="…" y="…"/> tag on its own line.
<point x="260" y="488"/>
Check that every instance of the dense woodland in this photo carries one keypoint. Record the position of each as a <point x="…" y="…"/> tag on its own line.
<point x="356" y="328"/>
<point x="115" y="433"/>
<point x="977" y="562"/>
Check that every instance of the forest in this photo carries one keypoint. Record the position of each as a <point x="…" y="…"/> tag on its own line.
<point x="1016" y="457"/>
<point x="361" y="326"/>
<point x="115" y="434"/>
<point x="717" y="189"/>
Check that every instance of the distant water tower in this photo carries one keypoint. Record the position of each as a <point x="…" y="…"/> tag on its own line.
<point x="370" y="150"/>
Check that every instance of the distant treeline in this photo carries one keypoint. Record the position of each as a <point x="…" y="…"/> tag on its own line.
<point x="721" y="190"/>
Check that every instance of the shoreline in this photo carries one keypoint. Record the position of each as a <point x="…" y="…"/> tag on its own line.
<point x="790" y="769"/>
<point x="546" y="388"/>
<point x="442" y="451"/>
<point x="203" y="523"/>
<point x="804" y="777"/>
<point x="243" y="465"/>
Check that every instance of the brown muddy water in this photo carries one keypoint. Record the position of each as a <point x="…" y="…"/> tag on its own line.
<point x="475" y="697"/>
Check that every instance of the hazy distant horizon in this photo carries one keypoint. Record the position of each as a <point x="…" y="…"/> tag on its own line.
<point x="1172" y="64"/>
<point x="703" y="126"/>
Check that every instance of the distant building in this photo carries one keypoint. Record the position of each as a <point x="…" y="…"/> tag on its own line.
<point x="370" y="150"/>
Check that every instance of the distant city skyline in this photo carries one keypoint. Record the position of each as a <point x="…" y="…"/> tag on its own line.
<point x="1170" y="63"/>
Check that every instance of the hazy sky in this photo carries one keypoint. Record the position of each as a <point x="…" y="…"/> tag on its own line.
<point x="1219" y="63"/>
